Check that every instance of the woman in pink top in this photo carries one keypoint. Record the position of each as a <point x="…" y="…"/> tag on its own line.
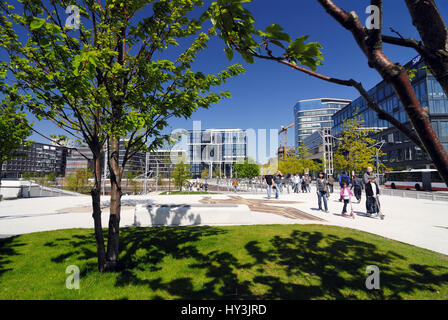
<point x="346" y="193"/>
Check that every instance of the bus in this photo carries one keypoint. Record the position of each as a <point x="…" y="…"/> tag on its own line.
<point x="415" y="179"/>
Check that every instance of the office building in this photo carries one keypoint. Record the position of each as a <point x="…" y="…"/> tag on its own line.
<point x="163" y="162"/>
<point x="216" y="149"/>
<point x="400" y="152"/>
<point x="311" y="115"/>
<point x="76" y="160"/>
<point x="40" y="158"/>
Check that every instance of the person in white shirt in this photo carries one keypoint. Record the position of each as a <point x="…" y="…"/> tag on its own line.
<point x="372" y="194"/>
<point x="296" y="182"/>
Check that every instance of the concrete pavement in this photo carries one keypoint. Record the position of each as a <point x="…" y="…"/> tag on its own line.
<point x="423" y="223"/>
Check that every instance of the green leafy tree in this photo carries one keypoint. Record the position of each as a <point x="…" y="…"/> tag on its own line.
<point x="78" y="181"/>
<point x="217" y="173"/>
<point x="299" y="162"/>
<point x="14" y="130"/>
<point x="110" y="80"/>
<point x="355" y="150"/>
<point x="205" y="173"/>
<point x="181" y="174"/>
<point x="246" y="169"/>
<point x="131" y="180"/>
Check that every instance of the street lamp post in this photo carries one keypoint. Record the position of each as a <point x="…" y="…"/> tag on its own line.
<point x="157" y="175"/>
<point x="382" y="142"/>
<point x="328" y="145"/>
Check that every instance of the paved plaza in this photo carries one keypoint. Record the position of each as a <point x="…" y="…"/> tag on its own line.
<point x="420" y="222"/>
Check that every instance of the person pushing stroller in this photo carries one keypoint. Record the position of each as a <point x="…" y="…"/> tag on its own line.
<point x="372" y="194"/>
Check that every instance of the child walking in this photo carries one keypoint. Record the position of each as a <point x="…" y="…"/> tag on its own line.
<point x="346" y="195"/>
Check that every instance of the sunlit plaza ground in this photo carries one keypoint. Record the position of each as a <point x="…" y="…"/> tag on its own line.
<point x="418" y="222"/>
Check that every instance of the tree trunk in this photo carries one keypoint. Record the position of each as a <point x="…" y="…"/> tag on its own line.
<point x="96" y="205"/>
<point x="115" y="206"/>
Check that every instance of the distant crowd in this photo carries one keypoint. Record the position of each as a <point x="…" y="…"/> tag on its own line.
<point x="351" y="187"/>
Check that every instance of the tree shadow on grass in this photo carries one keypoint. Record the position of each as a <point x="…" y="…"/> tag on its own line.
<point x="303" y="265"/>
<point x="7" y="249"/>
<point x="314" y="266"/>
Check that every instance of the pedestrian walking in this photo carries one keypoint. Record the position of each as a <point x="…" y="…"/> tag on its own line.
<point x="296" y="180"/>
<point x="308" y="183"/>
<point x="346" y="195"/>
<point x="357" y="186"/>
<point x="367" y="174"/>
<point x="372" y="196"/>
<point x="330" y="182"/>
<point x="277" y="180"/>
<point x="343" y="178"/>
<point x="365" y="178"/>
<point x="269" y="180"/>
<point x="322" y="191"/>
<point x="303" y="184"/>
<point x="235" y="185"/>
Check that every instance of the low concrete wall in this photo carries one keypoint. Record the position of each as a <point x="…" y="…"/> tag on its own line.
<point x="13" y="189"/>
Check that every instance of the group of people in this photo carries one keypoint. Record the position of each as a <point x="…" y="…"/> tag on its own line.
<point x="301" y="182"/>
<point x="277" y="180"/>
<point x="198" y="186"/>
<point x="350" y="187"/>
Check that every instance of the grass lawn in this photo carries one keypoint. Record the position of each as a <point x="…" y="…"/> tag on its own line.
<point x="238" y="262"/>
<point x="185" y="192"/>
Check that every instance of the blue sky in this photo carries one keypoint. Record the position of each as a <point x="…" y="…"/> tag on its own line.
<point x="264" y="97"/>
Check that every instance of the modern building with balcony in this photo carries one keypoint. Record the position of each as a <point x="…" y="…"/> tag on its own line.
<point x="216" y="149"/>
<point x="401" y="153"/>
<point x="39" y="158"/>
<point x="314" y="114"/>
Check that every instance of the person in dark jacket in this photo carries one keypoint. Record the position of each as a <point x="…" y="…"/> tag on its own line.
<point x="357" y="186"/>
<point x="322" y="191"/>
<point x="269" y="180"/>
<point x="330" y="183"/>
<point x="277" y="180"/>
<point x="372" y="194"/>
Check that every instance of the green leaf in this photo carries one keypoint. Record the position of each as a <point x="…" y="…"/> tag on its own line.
<point x="37" y="23"/>
<point x="229" y="53"/>
<point x="278" y="43"/>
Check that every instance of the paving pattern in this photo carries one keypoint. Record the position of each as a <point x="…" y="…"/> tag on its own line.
<point x="260" y="205"/>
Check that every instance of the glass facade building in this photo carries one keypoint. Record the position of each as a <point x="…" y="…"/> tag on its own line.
<point x="161" y="161"/>
<point x="311" y="115"/>
<point x="400" y="152"/>
<point x="40" y="158"/>
<point x="216" y="148"/>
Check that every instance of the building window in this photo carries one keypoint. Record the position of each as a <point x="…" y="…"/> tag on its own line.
<point x="443" y="129"/>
